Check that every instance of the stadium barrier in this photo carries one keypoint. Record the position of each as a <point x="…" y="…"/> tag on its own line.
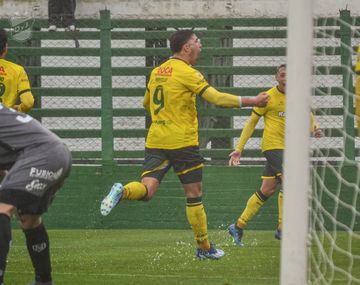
<point x="89" y="83"/>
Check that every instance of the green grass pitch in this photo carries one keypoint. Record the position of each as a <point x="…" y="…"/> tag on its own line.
<point x="84" y="254"/>
<point x="155" y="257"/>
<point x="164" y="257"/>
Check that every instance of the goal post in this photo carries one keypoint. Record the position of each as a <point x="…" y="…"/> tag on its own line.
<point x="297" y="143"/>
<point x="321" y="209"/>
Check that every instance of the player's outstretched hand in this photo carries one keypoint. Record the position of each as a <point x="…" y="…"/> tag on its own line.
<point x="234" y="158"/>
<point x="261" y="99"/>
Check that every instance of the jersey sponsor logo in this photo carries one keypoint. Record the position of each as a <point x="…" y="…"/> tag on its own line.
<point x="2" y="70"/>
<point x="281" y="114"/>
<point x="35" y="186"/>
<point x="161" y="79"/>
<point x="45" y="174"/>
<point x="162" y="122"/>
<point x="164" y="71"/>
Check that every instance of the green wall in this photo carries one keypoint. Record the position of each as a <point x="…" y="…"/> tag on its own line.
<point x="226" y="191"/>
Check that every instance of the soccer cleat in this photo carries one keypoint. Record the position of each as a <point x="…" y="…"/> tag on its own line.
<point x="236" y="233"/>
<point x="112" y="199"/>
<point x="278" y="234"/>
<point x="70" y="28"/>
<point x="52" y="28"/>
<point x="211" y="253"/>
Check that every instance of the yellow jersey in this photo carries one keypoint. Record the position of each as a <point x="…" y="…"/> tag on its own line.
<point x="170" y="98"/>
<point x="357" y="66"/>
<point x="274" y="120"/>
<point x="14" y="83"/>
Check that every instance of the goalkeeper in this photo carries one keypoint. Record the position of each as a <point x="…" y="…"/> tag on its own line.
<point x="272" y="148"/>
<point x="14" y="84"/>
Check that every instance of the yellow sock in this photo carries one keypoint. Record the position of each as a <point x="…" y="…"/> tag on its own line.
<point x="357" y="103"/>
<point x="255" y="202"/>
<point x="134" y="191"/>
<point x="280" y="201"/>
<point x="196" y="216"/>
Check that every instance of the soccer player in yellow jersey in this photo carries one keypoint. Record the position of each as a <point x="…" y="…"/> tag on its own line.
<point x="357" y="92"/>
<point x="172" y="140"/>
<point x="14" y="82"/>
<point x="273" y="143"/>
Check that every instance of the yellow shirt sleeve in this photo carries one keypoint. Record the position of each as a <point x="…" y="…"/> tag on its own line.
<point x="220" y="98"/>
<point x="146" y="102"/>
<point x="247" y="131"/>
<point x="23" y="82"/>
<point x="314" y="125"/>
<point x="193" y="80"/>
<point x="24" y="92"/>
<point x="357" y="66"/>
<point x="27" y="102"/>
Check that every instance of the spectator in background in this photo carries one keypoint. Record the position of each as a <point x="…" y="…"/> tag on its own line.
<point x="61" y="14"/>
<point x="14" y="83"/>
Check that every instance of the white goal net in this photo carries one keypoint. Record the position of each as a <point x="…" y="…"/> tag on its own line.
<point x="334" y="248"/>
<point x="330" y="252"/>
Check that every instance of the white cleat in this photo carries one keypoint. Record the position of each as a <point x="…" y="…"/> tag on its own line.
<point x="112" y="199"/>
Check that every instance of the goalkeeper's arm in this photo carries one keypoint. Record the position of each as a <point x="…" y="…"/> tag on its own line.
<point x="232" y="101"/>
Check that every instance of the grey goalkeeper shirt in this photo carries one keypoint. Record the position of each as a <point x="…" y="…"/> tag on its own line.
<point x="18" y="132"/>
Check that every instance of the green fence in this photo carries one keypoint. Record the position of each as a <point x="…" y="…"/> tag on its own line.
<point x="89" y="84"/>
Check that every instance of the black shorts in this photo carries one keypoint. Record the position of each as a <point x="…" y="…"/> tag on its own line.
<point x="35" y="177"/>
<point x="273" y="166"/>
<point x="187" y="163"/>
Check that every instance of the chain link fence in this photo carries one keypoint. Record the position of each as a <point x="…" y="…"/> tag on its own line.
<point x="239" y="56"/>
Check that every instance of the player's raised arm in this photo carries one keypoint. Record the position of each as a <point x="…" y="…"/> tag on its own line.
<point x="258" y="101"/>
<point x="232" y="101"/>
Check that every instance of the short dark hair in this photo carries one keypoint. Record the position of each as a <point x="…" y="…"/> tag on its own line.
<point x="280" y="66"/>
<point x="3" y="40"/>
<point x="179" y="38"/>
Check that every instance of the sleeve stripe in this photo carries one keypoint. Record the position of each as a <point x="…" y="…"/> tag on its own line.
<point x="203" y="90"/>
<point x="256" y="113"/>
<point x="24" y="91"/>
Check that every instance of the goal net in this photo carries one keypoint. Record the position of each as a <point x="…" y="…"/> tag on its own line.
<point x="334" y="251"/>
<point x="332" y="208"/>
